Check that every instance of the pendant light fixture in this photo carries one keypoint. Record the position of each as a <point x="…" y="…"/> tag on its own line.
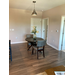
<point x="34" y="12"/>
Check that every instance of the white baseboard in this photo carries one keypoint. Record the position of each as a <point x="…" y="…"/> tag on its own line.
<point x="52" y="46"/>
<point x="19" y="42"/>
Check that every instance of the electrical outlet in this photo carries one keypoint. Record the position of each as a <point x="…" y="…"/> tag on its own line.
<point x="56" y="30"/>
<point x="53" y="40"/>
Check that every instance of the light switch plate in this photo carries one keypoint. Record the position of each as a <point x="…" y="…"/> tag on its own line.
<point x="56" y="30"/>
<point x="12" y="29"/>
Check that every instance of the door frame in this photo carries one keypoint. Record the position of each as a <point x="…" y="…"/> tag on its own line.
<point x="61" y="31"/>
<point x="48" y="26"/>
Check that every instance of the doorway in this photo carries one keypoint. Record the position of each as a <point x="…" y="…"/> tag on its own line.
<point x="45" y="23"/>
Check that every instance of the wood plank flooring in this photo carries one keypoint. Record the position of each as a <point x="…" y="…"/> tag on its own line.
<point x="24" y="63"/>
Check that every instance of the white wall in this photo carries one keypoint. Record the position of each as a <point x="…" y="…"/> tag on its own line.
<point x="20" y="21"/>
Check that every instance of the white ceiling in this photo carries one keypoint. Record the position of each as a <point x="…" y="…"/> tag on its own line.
<point x="39" y="5"/>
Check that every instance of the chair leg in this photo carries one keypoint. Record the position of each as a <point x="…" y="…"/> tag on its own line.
<point x="37" y="54"/>
<point x="43" y="53"/>
<point x="32" y="50"/>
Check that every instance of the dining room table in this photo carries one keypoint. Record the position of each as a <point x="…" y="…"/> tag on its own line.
<point x="33" y="41"/>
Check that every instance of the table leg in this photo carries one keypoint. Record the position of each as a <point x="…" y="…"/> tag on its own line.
<point x="28" y="47"/>
<point x="32" y="50"/>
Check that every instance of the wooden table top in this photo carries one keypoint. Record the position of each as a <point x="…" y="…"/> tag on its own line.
<point x="58" y="68"/>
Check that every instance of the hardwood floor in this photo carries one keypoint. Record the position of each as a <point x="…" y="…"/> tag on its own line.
<point x="24" y="63"/>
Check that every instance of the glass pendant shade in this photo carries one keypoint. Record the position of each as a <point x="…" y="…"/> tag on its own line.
<point x="34" y="13"/>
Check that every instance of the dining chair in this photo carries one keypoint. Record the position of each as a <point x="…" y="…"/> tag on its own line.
<point x="40" y="46"/>
<point x="29" y="43"/>
<point x="10" y="52"/>
<point x="29" y="35"/>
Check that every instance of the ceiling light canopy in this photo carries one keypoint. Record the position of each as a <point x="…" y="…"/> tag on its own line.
<point x="34" y="12"/>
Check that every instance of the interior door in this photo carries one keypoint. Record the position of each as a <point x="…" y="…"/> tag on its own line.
<point x="36" y="22"/>
<point x="63" y="37"/>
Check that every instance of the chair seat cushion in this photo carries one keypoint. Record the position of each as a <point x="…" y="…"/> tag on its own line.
<point x="35" y="47"/>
